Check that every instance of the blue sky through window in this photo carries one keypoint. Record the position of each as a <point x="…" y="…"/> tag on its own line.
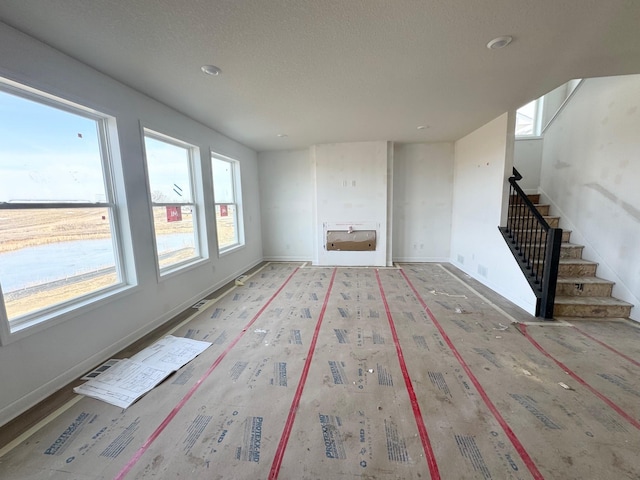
<point x="47" y="154"/>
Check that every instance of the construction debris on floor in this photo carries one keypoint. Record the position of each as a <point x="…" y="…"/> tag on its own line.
<point x="396" y="373"/>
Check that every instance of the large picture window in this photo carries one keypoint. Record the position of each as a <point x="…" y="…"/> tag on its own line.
<point x="59" y="239"/>
<point x="175" y="219"/>
<point x="227" y="194"/>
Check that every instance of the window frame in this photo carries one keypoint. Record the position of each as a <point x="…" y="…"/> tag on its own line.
<point x="536" y="120"/>
<point x="195" y="185"/>
<point x="43" y="318"/>
<point x="237" y="203"/>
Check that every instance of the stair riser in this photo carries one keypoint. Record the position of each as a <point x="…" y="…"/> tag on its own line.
<point x="581" y="270"/>
<point x="566" y="235"/>
<point x="571" y="252"/>
<point x="531" y="222"/>
<point x="588" y="290"/>
<point x="533" y="197"/>
<point x="591" y="311"/>
<point x="543" y="209"/>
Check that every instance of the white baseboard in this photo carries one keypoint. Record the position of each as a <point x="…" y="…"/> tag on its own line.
<point x="421" y="260"/>
<point x="284" y="258"/>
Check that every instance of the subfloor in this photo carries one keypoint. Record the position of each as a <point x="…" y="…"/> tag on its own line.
<point x="416" y="372"/>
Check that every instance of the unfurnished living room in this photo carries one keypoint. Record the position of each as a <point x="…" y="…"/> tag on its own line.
<point x="378" y="239"/>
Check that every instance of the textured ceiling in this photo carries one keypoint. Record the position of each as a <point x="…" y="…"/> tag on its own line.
<point x="324" y="71"/>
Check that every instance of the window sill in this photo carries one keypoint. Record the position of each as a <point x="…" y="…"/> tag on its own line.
<point x="529" y="137"/>
<point x="229" y="250"/>
<point x="30" y="326"/>
<point x="180" y="268"/>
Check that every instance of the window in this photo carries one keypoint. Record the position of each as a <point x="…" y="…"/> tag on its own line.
<point x="529" y="119"/>
<point x="228" y="197"/>
<point x="175" y="219"/>
<point x="59" y="239"/>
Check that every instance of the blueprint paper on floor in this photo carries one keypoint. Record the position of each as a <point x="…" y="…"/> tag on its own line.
<point x="131" y="378"/>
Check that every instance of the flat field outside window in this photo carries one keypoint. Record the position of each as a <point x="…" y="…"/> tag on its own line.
<point x="226" y="194"/>
<point x="49" y="256"/>
<point x="169" y="167"/>
<point x="57" y="233"/>
<point x="174" y="239"/>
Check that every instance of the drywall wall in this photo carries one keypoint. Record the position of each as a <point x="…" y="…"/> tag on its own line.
<point x="422" y="196"/>
<point x="36" y="365"/>
<point x="590" y="174"/>
<point x="482" y="163"/>
<point x="351" y="190"/>
<point x="527" y="158"/>
<point x="286" y="205"/>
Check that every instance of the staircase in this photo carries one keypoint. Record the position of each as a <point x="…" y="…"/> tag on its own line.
<point x="579" y="292"/>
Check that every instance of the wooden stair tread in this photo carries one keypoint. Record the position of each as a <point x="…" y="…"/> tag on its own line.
<point x="591" y="319"/>
<point x="562" y="245"/>
<point x="546" y="217"/>
<point x="531" y="230"/>
<point x="577" y="261"/>
<point x="580" y="294"/>
<point x="593" y="280"/>
<point x="600" y="301"/>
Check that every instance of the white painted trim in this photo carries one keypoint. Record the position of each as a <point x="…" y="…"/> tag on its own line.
<point x="528" y="137"/>
<point x="284" y="258"/>
<point x="421" y="260"/>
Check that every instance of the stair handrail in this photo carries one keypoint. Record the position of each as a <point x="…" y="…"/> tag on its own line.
<point x="534" y="244"/>
<point x="513" y="181"/>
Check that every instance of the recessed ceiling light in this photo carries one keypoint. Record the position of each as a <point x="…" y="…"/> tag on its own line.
<point x="282" y="135"/>
<point x="499" y="42"/>
<point x="211" y="70"/>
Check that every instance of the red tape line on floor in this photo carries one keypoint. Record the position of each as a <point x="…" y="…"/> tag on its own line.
<point x="286" y="433"/>
<point x="609" y="347"/>
<point x="572" y="374"/>
<point x="528" y="461"/>
<point x="145" y="446"/>
<point x="422" y="429"/>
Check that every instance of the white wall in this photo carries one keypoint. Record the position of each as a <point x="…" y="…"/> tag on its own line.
<point x="422" y="201"/>
<point x="483" y="162"/>
<point x="590" y="175"/>
<point x="35" y="366"/>
<point x="351" y="181"/>
<point x="527" y="158"/>
<point x="286" y="203"/>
